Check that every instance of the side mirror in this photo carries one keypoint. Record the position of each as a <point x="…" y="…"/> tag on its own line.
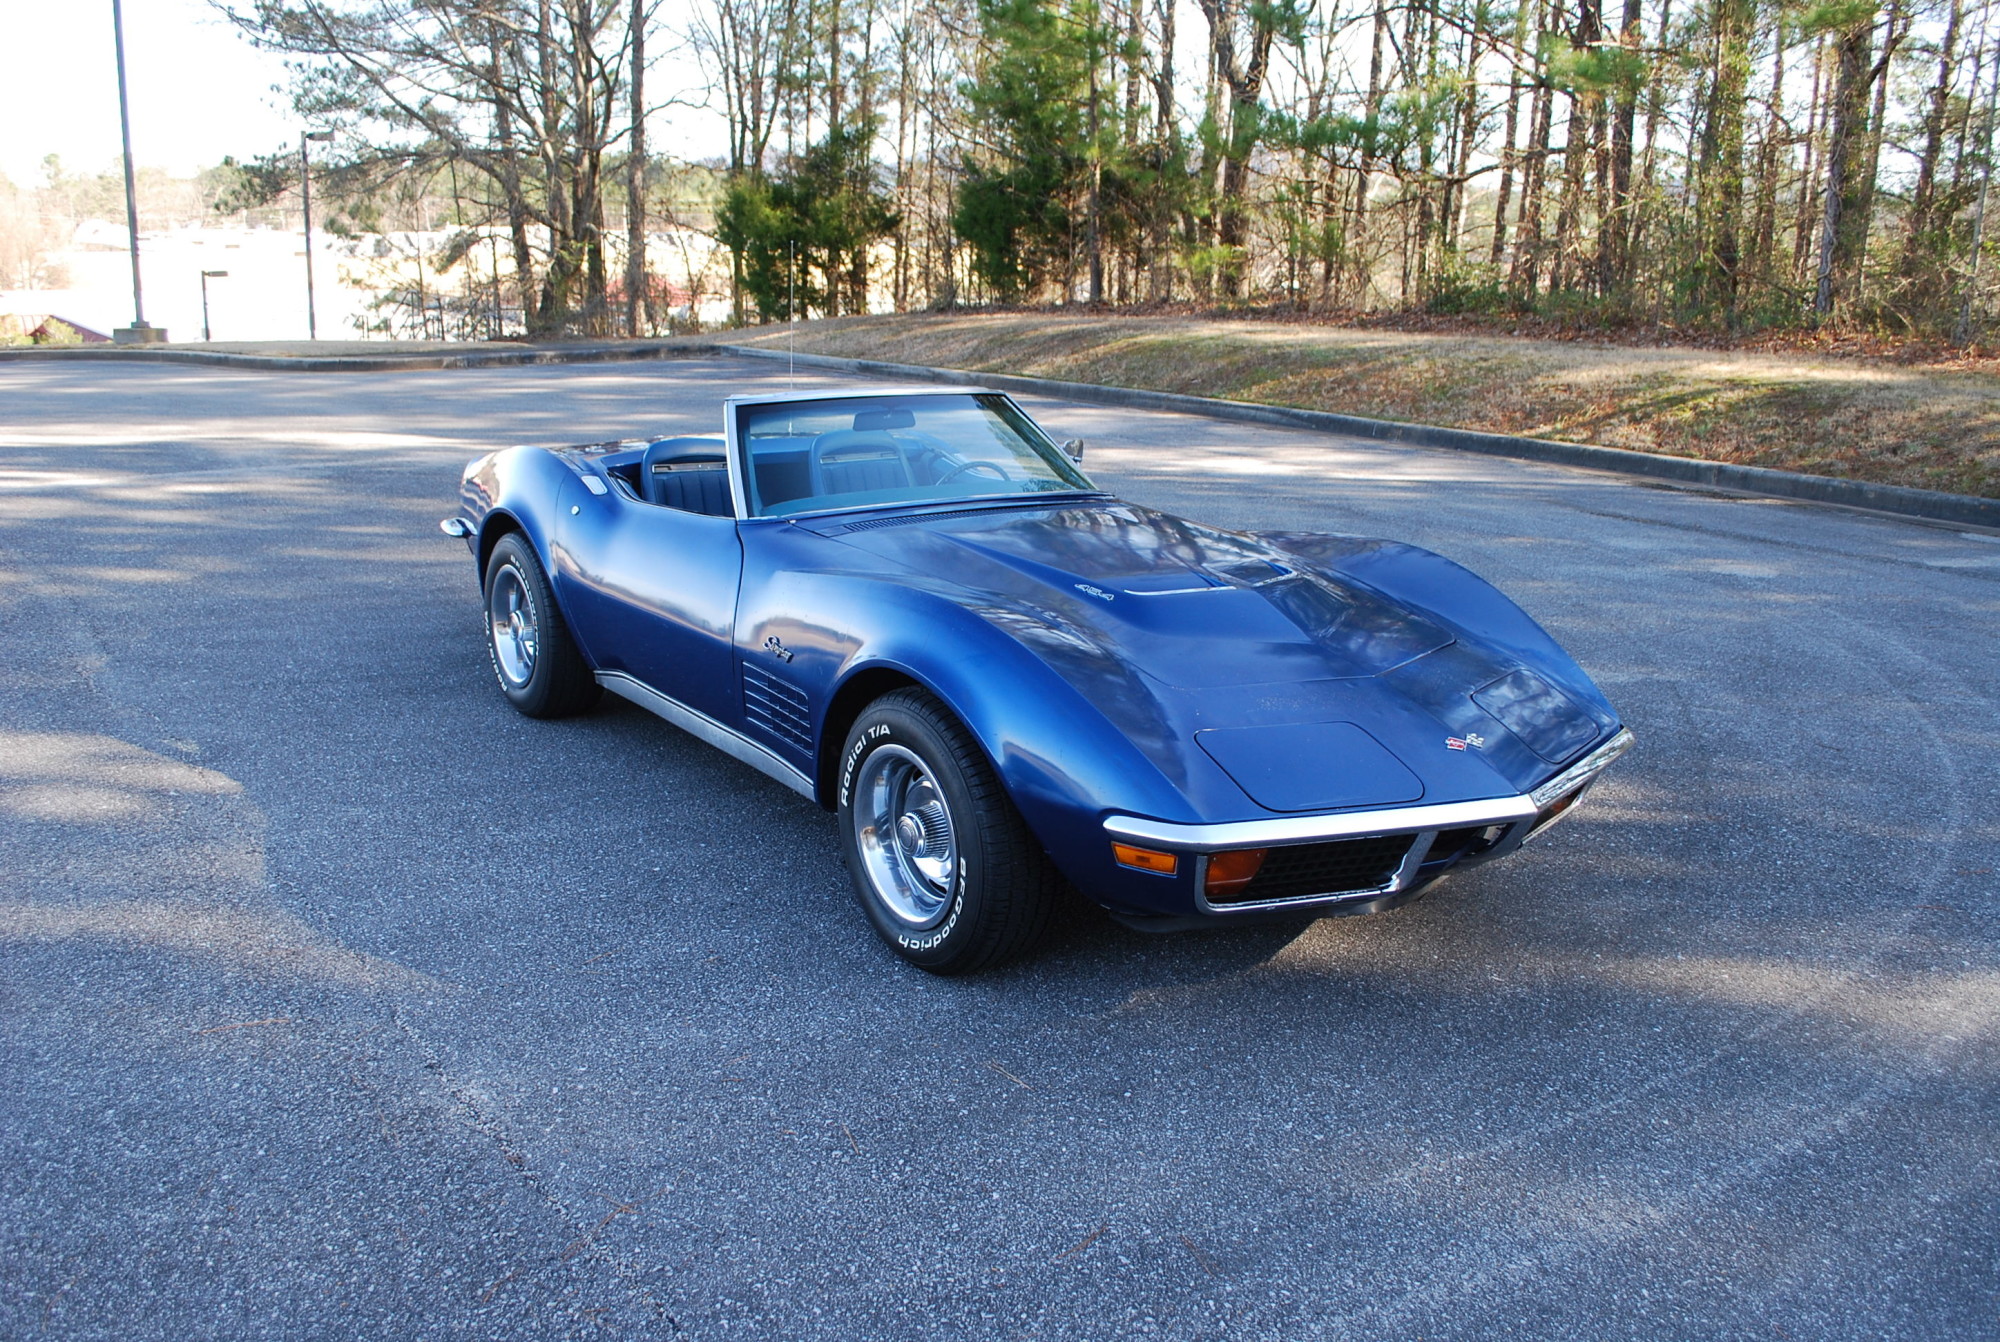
<point x="1073" y="449"/>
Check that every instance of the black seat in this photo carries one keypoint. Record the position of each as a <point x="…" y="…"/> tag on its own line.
<point x="691" y="474"/>
<point x="849" y="461"/>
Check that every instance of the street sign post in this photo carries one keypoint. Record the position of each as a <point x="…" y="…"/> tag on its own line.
<point x="206" y="276"/>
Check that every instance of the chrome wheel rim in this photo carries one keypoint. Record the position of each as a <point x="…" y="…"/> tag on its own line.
<point x="512" y="619"/>
<point x="903" y="827"/>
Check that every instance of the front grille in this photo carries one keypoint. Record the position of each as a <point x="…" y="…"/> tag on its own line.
<point x="1453" y="844"/>
<point x="1324" y="869"/>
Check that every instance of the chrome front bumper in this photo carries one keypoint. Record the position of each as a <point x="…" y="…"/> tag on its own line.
<point x="1520" y="816"/>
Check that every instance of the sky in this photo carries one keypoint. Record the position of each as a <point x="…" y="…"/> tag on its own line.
<point x="199" y="90"/>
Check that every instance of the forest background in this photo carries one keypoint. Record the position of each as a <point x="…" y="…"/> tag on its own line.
<point x="1721" y="165"/>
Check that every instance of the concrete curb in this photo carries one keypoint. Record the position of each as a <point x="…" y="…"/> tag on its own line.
<point x="371" y="363"/>
<point x="1933" y="505"/>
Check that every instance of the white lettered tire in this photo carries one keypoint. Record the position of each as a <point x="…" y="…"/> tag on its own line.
<point x="944" y="866"/>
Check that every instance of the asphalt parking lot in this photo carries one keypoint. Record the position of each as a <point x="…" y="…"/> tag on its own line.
<point x="337" y="1000"/>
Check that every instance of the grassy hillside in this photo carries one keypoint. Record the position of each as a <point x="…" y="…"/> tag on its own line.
<point x="1934" y="426"/>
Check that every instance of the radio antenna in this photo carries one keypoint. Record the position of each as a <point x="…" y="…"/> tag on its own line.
<point x="791" y="313"/>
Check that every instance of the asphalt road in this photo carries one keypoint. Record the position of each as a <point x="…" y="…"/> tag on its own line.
<point x="336" y="1000"/>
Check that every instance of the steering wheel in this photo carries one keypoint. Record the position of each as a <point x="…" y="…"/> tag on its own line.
<point x="964" y="467"/>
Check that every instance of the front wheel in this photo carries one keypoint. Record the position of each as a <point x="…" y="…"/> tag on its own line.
<point x="943" y="864"/>
<point x="534" y="658"/>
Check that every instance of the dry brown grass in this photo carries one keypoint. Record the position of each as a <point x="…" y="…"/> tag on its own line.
<point x="1880" y="419"/>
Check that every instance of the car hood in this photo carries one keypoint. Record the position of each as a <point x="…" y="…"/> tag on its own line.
<point x="1191" y="637"/>
<point x="1191" y="607"/>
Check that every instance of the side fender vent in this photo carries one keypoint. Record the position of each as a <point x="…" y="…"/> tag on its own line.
<point x="777" y="708"/>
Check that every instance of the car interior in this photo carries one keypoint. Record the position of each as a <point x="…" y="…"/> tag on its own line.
<point x="878" y="451"/>
<point x="844" y="455"/>
<point x="881" y="451"/>
<point x="691" y="474"/>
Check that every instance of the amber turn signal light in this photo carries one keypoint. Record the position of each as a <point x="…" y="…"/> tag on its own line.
<point x="1558" y="808"/>
<point x="1146" y="859"/>
<point x="1230" y="872"/>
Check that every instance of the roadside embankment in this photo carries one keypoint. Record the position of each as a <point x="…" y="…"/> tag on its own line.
<point x="1910" y="425"/>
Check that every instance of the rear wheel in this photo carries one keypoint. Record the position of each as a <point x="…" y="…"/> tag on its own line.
<point x="534" y="658"/>
<point x="943" y="864"/>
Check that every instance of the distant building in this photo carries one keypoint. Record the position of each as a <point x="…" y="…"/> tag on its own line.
<point x="46" y="328"/>
<point x="368" y="285"/>
<point x="54" y="330"/>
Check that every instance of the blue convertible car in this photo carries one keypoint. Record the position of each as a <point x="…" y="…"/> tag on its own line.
<point x="911" y="606"/>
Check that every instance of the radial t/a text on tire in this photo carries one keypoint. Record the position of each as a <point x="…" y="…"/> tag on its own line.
<point x="943" y="864"/>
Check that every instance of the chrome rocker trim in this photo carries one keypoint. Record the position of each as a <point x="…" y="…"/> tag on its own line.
<point x="706" y="728"/>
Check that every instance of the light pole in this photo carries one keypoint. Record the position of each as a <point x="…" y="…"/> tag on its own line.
<point x="206" y="276"/>
<point x="306" y="201"/>
<point x="138" y="333"/>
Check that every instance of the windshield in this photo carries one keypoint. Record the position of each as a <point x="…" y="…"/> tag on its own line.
<point x="858" y="451"/>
